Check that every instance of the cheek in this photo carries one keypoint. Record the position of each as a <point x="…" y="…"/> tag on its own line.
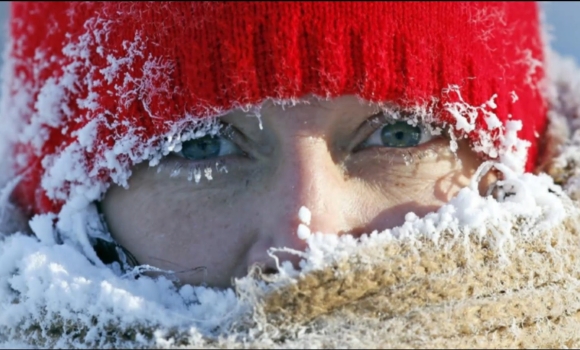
<point x="176" y="225"/>
<point x="392" y="188"/>
<point x="434" y="175"/>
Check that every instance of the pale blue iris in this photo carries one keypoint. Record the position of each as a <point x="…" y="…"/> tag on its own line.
<point x="400" y="134"/>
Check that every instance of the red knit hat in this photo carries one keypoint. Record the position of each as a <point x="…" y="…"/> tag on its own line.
<point x="96" y="87"/>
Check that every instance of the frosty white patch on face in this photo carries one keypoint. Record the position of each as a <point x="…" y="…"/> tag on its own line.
<point x="304" y="215"/>
<point x="303" y="232"/>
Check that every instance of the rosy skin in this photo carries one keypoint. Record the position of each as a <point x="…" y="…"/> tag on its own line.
<point x="311" y="155"/>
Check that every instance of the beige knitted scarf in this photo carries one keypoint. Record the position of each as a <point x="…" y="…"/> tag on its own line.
<point x="411" y="293"/>
<point x="456" y="294"/>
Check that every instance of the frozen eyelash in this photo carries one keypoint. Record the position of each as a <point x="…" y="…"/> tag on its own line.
<point x="176" y="170"/>
<point x="196" y="172"/>
<point x="199" y="169"/>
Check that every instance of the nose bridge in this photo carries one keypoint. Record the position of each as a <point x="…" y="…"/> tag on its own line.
<point x="308" y="176"/>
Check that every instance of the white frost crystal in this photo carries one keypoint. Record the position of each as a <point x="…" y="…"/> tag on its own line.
<point x="304" y="215"/>
<point x="303" y="231"/>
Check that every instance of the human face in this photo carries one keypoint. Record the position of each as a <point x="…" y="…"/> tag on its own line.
<point x="339" y="158"/>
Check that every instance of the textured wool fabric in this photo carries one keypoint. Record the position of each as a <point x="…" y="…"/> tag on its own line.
<point x="143" y="70"/>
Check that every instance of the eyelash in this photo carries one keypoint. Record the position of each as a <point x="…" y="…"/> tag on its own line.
<point x="195" y="170"/>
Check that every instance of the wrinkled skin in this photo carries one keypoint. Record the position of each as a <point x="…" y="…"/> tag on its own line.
<point x="315" y="154"/>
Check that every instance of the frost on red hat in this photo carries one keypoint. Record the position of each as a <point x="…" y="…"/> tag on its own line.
<point x="96" y="87"/>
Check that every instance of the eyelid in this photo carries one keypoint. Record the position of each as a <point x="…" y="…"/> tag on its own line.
<point x="367" y="128"/>
<point x="238" y="138"/>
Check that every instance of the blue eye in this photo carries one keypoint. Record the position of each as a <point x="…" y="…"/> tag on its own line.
<point x="398" y="134"/>
<point x="207" y="147"/>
